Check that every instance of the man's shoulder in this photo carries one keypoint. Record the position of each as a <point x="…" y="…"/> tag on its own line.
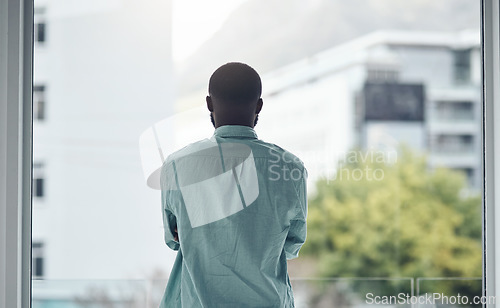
<point x="182" y="156"/>
<point x="190" y="149"/>
<point x="277" y="154"/>
<point x="260" y="149"/>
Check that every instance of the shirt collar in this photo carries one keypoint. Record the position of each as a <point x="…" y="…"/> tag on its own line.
<point x="235" y="131"/>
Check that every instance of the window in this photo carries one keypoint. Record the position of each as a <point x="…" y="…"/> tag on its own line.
<point x="462" y="65"/>
<point x="382" y="75"/>
<point x="449" y="143"/>
<point x="490" y="22"/>
<point x="454" y="111"/>
<point x="40" y="28"/>
<point x="37" y="260"/>
<point x="38" y="180"/>
<point x="40" y="32"/>
<point x="93" y="142"/>
<point x="39" y="102"/>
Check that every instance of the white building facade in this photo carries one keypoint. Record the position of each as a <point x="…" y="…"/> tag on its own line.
<point x="378" y="92"/>
<point x="103" y="74"/>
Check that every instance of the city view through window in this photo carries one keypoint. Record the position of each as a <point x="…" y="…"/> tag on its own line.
<point x="380" y="99"/>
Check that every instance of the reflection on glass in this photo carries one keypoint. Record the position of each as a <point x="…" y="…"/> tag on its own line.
<point x="452" y="292"/>
<point x="353" y="292"/>
<point x="94" y="293"/>
<point x="313" y="293"/>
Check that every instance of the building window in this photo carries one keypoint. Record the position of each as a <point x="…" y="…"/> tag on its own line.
<point x="462" y="65"/>
<point x="37" y="260"/>
<point x="384" y="101"/>
<point x="38" y="180"/>
<point x="39" y="102"/>
<point x="454" y="111"/>
<point x="40" y="27"/>
<point x="448" y="143"/>
<point x="382" y="75"/>
<point x="40" y="32"/>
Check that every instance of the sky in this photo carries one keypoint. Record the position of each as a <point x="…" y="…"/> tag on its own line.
<point x="195" y="21"/>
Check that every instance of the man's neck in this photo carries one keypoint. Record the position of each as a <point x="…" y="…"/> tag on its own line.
<point x="223" y="123"/>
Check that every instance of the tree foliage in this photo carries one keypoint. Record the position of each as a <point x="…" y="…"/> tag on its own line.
<point x="411" y="222"/>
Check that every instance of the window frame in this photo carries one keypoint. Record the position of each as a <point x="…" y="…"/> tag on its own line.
<point x="490" y="46"/>
<point x="16" y="81"/>
<point x="16" y="68"/>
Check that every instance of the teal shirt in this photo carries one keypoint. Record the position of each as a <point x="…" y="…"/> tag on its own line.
<point x="239" y="205"/>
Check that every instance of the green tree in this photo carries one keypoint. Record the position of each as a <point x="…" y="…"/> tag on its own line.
<point x="398" y="219"/>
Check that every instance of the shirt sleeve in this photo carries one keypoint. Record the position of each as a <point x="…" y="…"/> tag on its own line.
<point x="298" y="227"/>
<point x="169" y="219"/>
<point x="169" y="224"/>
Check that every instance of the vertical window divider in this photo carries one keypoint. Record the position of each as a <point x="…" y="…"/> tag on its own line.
<point x="16" y="80"/>
<point x="490" y="40"/>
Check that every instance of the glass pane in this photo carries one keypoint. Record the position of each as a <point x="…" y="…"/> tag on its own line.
<point x="463" y="292"/>
<point x="380" y="99"/>
<point x="353" y="292"/>
<point x="90" y="293"/>
<point x="103" y="74"/>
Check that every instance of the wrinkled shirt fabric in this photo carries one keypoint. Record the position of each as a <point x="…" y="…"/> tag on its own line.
<point x="239" y="205"/>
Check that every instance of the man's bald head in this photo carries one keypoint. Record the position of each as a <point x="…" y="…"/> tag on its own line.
<point x="234" y="95"/>
<point x="235" y="83"/>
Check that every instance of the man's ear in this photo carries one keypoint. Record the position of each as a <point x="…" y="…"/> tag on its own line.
<point x="260" y="102"/>
<point x="209" y="104"/>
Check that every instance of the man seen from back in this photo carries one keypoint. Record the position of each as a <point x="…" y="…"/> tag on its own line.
<point x="233" y="206"/>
